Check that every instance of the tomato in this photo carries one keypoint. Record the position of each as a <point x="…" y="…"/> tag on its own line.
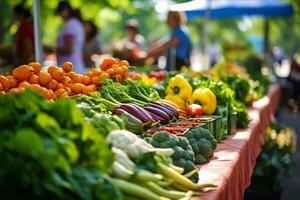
<point x="194" y="110"/>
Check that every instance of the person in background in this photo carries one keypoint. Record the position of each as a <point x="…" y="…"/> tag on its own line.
<point x="132" y="34"/>
<point x="92" y="43"/>
<point x="71" y="37"/>
<point x="178" y="46"/>
<point x="23" y="45"/>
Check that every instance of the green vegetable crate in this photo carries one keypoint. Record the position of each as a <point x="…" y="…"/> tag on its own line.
<point x="213" y="123"/>
<point x="232" y="120"/>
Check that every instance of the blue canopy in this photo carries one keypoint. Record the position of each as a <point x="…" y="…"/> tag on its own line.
<point x="234" y="8"/>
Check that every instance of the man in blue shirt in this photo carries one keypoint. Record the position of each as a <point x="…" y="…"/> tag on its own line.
<point x="178" y="47"/>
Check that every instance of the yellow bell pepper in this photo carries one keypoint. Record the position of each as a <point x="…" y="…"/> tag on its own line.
<point x="177" y="100"/>
<point x="180" y="87"/>
<point x="206" y="98"/>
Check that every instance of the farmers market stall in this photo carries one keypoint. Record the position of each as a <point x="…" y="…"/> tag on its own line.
<point x="113" y="136"/>
<point x="234" y="159"/>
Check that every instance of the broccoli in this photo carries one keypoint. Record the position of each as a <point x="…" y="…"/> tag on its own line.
<point x="183" y="152"/>
<point x="202" y="143"/>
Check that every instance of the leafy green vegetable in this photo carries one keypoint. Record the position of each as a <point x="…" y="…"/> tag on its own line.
<point x="141" y="91"/>
<point x="49" y="151"/>
<point x="117" y="93"/>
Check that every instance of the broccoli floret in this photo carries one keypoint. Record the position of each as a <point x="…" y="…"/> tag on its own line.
<point x="189" y="166"/>
<point x="183" y="142"/>
<point x="205" y="148"/>
<point x="199" y="159"/>
<point x="183" y="152"/>
<point x="180" y="163"/>
<point x="195" y="178"/>
<point x="195" y="147"/>
<point x="178" y="152"/>
<point x="161" y="136"/>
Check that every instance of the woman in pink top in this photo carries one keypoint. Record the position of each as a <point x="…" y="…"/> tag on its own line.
<point x="70" y="39"/>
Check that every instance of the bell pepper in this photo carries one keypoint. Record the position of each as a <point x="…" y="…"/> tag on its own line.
<point x="177" y="100"/>
<point x="179" y="86"/>
<point x="206" y="98"/>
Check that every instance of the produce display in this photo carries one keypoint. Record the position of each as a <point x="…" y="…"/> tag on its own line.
<point x="110" y="135"/>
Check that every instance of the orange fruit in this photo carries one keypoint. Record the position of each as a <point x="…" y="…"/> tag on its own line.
<point x="104" y="75"/>
<point x="34" y="79"/>
<point x="106" y="63"/>
<point x="68" y="90"/>
<point x="110" y="71"/>
<point x="36" y="66"/>
<point x="23" y="72"/>
<point x="95" y="79"/>
<point x="86" y="80"/>
<point x="118" y="78"/>
<point x="71" y="74"/>
<point x="51" y="69"/>
<point x="16" y="90"/>
<point x="96" y="72"/>
<point x="94" y="87"/>
<point x="50" y="94"/>
<point x="124" y="68"/>
<point x="4" y="82"/>
<point x="89" y="74"/>
<point x="12" y="81"/>
<point x="1" y="87"/>
<point x="67" y="66"/>
<point x="76" y="88"/>
<point x="77" y="78"/>
<point x="60" y="86"/>
<point x="66" y="81"/>
<point x="52" y="84"/>
<point x="24" y="84"/>
<point x="45" y="78"/>
<point x="57" y="74"/>
<point x="87" y="89"/>
<point x="124" y="62"/>
<point x="60" y="93"/>
<point x="44" y="92"/>
<point x="118" y="70"/>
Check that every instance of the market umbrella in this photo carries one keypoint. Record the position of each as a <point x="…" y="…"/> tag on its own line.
<point x="220" y="9"/>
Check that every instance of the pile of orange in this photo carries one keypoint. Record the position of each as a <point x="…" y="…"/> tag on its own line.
<point x="61" y="82"/>
<point x="111" y="68"/>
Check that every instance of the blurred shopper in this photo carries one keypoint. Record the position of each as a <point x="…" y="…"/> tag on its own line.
<point x="132" y="47"/>
<point x="178" y="46"/>
<point x="92" y="43"/>
<point x="133" y="34"/>
<point x="71" y="37"/>
<point x="295" y="78"/>
<point x="23" y="44"/>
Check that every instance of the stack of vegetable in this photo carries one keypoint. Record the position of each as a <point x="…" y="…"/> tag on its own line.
<point x="194" y="147"/>
<point x="194" y="103"/>
<point x="138" y="103"/>
<point x="149" y="170"/>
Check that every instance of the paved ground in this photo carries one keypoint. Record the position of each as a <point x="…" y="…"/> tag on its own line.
<point x="292" y="184"/>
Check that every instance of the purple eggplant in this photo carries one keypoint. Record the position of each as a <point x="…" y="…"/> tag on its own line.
<point x="161" y="107"/>
<point x="138" y="112"/>
<point x="155" y="117"/>
<point x="167" y="108"/>
<point x="159" y="113"/>
<point x="130" y="117"/>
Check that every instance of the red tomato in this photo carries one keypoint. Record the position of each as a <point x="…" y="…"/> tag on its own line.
<point x="194" y="110"/>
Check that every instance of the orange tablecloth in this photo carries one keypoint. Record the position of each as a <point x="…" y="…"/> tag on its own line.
<point x="232" y="165"/>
